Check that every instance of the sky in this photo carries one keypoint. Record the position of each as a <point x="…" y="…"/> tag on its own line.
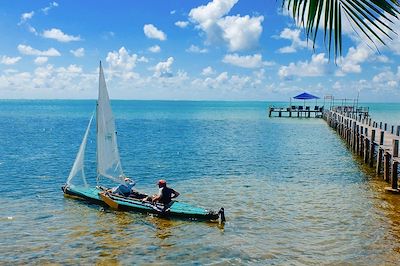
<point x="182" y="50"/>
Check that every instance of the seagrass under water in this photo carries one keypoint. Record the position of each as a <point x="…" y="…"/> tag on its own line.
<point x="292" y="192"/>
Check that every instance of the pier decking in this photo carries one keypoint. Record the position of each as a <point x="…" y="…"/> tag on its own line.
<point x="296" y="111"/>
<point x="375" y="142"/>
<point x="315" y="111"/>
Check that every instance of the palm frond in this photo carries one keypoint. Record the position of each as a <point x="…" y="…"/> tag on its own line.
<point x="372" y="18"/>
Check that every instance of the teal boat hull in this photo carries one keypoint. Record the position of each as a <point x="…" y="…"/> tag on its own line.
<point x="176" y="209"/>
<point x="87" y="193"/>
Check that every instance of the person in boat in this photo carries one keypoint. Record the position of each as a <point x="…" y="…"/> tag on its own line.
<point x="124" y="189"/>
<point x="165" y="194"/>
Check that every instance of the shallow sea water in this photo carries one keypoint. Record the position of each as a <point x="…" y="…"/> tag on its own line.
<point x="292" y="192"/>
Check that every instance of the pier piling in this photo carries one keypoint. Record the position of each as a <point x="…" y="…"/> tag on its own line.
<point x="371" y="140"/>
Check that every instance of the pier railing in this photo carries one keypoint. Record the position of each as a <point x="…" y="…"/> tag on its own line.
<point x="376" y="143"/>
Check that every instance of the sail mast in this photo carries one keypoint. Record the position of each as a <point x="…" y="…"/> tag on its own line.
<point x="97" y="127"/>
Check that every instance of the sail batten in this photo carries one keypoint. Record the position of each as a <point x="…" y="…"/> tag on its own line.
<point x="108" y="159"/>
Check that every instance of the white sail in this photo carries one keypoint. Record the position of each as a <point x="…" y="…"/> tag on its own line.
<point x="78" y="167"/>
<point x="108" y="160"/>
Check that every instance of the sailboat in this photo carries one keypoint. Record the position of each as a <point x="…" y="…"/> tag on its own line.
<point x="109" y="169"/>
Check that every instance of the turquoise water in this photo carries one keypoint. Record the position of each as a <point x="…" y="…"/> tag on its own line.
<point x="292" y="192"/>
<point x="386" y="113"/>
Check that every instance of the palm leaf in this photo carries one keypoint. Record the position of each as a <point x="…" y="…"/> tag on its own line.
<point x="372" y="18"/>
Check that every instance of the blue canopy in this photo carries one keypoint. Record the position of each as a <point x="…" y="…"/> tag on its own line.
<point x="305" y="96"/>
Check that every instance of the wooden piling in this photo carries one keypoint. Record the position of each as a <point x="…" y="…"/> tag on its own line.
<point x="360" y="134"/>
<point x="361" y="150"/>
<point x="372" y="149"/>
<point x="358" y="140"/>
<point x="394" y="178"/>
<point x="354" y="137"/>
<point x="366" y="150"/>
<point x="394" y="175"/>
<point x="379" y="161"/>
<point x="395" y="145"/>
<point x="386" y="166"/>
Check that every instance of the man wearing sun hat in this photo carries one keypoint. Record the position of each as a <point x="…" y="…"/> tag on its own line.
<point x="124" y="189"/>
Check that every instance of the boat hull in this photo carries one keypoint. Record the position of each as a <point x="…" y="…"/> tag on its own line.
<point x="88" y="194"/>
<point x="177" y="209"/>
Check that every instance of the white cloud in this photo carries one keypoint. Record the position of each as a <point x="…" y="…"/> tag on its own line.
<point x="32" y="30"/>
<point x="207" y="16"/>
<point x="60" y="36"/>
<point x="222" y="77"/>
<point x="50" y="6"/>
<point x="294" y="37"/>
<point x="259" y="74"/>
<point x="28" y="50"/>
<point x="143" y="59"/>
<point x="351" y="63"/>
<point x="382" y="59"/>
<point x="182" y="24"/>
<point x="41" y="60"/>
<point x="228" y="85"/>
<point x="25" y="17"/>
<point x="121" y="63"/>
<point x="153" y="33"/>
<point x="380" y="85"/>
<point x="387" y="79"/>
<point x="337" y="86"/>
<point x="394" y="45"/>
<point x="48" y="82"/>
<point x="207" y="71"/>
<point x="80" y="52"/>
<point x="196" y="49"/>
<point x="316" y="67"/>
<point x="6" y="60"/>
<point x="155" y="49"/>
<point x="14" y="80"/>
<point x="163" y="69"/>
<point x="108" y="35"/>
<point x="240" y="33"/>
<point x="58" y="79"/>
<point x="172" y="12"/>
<point x="248" y="61"/>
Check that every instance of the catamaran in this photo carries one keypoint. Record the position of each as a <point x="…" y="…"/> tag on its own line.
<point x="109" y="168"/>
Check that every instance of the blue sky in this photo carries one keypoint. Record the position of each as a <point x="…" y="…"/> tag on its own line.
<point x="181" y="50"/>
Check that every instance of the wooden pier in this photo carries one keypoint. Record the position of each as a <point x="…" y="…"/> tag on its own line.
<point x="296" y="111"/>
<point x="376" y="143"/>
